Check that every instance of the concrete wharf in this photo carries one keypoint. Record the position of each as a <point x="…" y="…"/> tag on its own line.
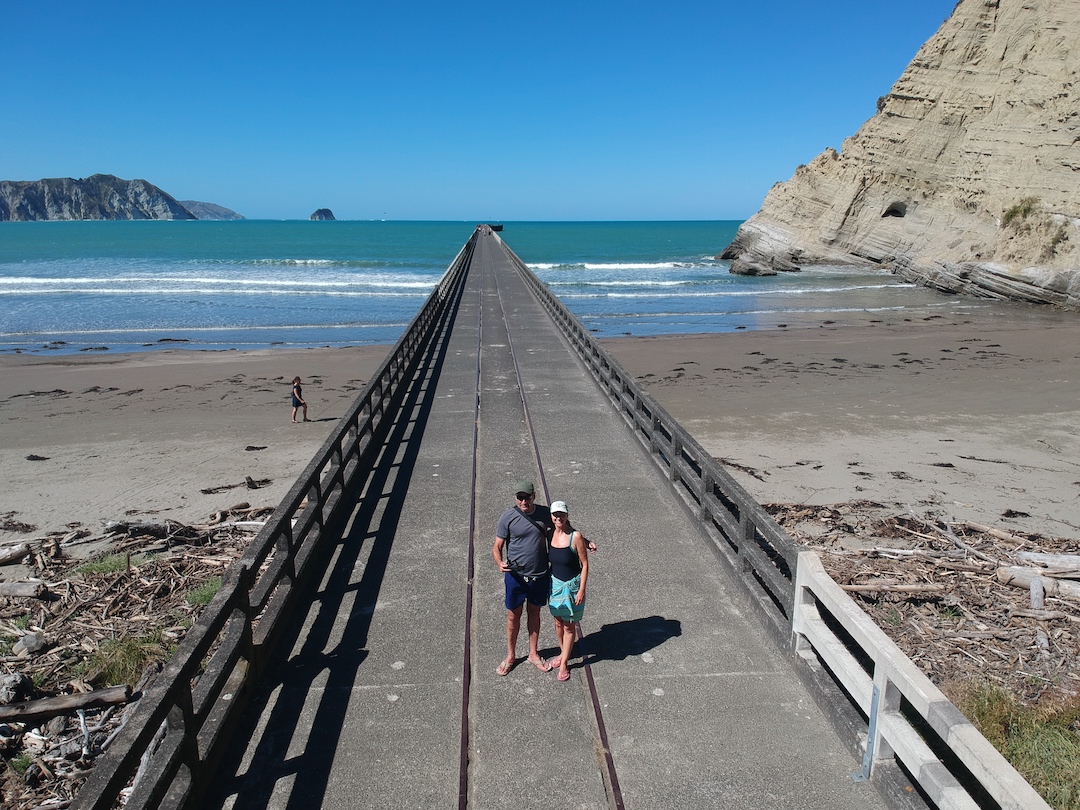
<point x="359" y="638"/>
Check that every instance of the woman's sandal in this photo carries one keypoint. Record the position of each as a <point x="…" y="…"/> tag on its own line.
<point x="564" y="676"/>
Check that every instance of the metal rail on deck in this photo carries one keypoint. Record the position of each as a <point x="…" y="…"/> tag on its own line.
<point x="905" y="715"/>
<point x="177" y="731"/>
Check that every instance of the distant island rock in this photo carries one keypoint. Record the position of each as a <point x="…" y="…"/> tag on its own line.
<point x="205" y="210"/>
<point x="323" y="215"/>
<point x="968" y="177"/>
<point x="100" y="196"/>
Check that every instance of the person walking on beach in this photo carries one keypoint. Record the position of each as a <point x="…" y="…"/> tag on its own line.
<point x="298" y="399"/>
<point x="569" y="557"/>
<point x="521" y="553"/>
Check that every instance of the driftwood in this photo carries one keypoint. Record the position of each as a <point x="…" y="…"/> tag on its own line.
<point x="33" y="711"/>
<point x="1056" y="562"/>
<point x="1000" y="534"/>
<point x="30" y="590"/>
<point x="893" y="587"/>
<point x="1022" y="577"/>
<point x="13" y="554"/>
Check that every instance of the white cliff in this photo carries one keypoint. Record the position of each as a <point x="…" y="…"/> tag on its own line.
<point x="968" y="176"/>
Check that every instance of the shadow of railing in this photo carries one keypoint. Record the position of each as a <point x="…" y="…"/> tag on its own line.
<point x="179" y="730"/>
<point x="297" y="715"/>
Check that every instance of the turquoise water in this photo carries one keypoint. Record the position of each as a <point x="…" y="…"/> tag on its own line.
<point x="136" y="286"/>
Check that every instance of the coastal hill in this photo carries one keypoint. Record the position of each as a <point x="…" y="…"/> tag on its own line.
<point x="968" y="177"/>
<point x="100" y="196"/>
<point x="205" y="210"/>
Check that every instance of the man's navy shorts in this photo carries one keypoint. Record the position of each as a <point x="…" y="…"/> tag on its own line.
<point x="536" y="590"/>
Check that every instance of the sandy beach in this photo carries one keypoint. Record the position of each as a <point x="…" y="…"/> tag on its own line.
<point x="963" y="421"/>
<point x="91" y="439"/>
<point x="971" y="420"/>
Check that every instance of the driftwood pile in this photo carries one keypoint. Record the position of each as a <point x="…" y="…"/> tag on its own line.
<point x="58" y="710"/>
<point x="965" y="601"/>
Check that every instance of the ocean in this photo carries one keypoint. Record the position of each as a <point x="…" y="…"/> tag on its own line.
<point x="69" y="287"/>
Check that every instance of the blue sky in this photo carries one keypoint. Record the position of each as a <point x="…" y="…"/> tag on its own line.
<point x="690" y="109"/>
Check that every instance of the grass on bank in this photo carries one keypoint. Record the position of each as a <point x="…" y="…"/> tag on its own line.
<point x="123" y="660"/>
<point x="1042" y="742"/>
<point x="112" y="564"/>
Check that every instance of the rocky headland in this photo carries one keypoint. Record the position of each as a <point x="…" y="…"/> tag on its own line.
<point x="323" y="215"/>
<point x="968" y="177"/>
<point x="211" y="211"/>
<point x="100" y="196"/>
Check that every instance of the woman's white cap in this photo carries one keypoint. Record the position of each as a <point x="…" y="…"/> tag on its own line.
<point x="558" y="506"/>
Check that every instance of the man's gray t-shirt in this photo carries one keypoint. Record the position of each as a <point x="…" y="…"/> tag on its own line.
<point x="526" y="539"/>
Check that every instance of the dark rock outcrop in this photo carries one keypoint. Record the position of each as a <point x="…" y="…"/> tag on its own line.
<point x="966" y="179"/>
<point x="101" y="196"/>
<point x="205" y="210"/>
<point x="323" y="215"/>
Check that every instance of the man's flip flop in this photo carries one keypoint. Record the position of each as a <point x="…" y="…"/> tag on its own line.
<point x="504" y="668"/>
<point x="541" y="665"/>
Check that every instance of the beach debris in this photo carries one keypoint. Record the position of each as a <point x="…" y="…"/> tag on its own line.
<point x="28" y="644"/>
<point x="248" y="482"/>
<point x="74" y="660"/>
<point x="751" y="471"/>
<point x="9" y="524"/>
<point x="963" y="600"/>
<point x="26" y="590"/>
<point x="34" y="711"/>
<point x="12" y="554"/>
<point x="14" y="687"/>
<point x="36" y="457"/>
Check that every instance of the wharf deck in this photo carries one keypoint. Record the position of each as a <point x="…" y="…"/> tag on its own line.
<point x="386" y="695"/>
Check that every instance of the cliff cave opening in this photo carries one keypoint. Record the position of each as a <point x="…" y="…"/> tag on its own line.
<point x="896" y="209"/>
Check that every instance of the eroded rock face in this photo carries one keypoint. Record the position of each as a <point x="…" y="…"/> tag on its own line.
<point x="967" y="178"/>
<point x="323" y="215"/>
<point x="100" y="196"/>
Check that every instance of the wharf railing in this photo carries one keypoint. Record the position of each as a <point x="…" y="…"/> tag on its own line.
<point x="901" y="716"/>
<point x="178" y="730"/>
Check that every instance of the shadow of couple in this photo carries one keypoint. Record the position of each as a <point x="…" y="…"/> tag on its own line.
<point x="620" y="640"/>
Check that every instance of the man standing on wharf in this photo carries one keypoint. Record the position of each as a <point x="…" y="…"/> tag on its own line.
<point x="523" y="532"/>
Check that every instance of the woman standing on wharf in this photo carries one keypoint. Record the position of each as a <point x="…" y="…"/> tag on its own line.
<point x="569" y="558"/>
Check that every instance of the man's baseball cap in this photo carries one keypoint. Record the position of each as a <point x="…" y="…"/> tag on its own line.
<point x="524" y="486"/>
